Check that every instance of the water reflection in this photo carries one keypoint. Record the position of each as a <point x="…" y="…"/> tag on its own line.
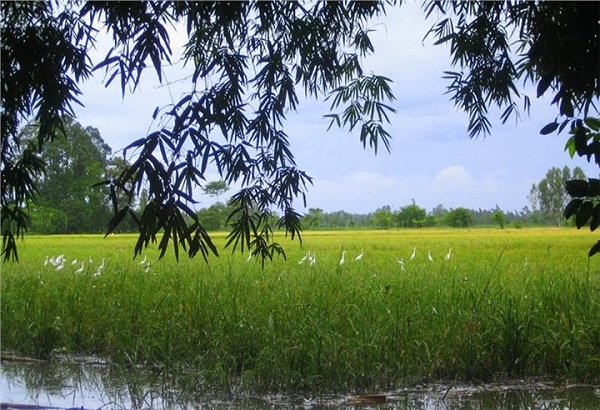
<point x="91" y="384"/>
<point x="87" y="383"/>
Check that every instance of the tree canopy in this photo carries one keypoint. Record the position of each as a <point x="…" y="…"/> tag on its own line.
<point x="251" y="60"/>
<point x="74" y="163"/>
<point x="459" y="218"/>
<point x="215" y="188"/>
<point x="549" y="196"/>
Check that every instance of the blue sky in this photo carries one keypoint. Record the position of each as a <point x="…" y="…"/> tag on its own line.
<point x="432" y="160"/>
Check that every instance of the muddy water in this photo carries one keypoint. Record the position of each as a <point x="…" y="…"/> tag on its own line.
<point x="91" y="384"/>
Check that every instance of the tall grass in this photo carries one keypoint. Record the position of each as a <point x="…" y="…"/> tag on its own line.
<point x="509" y="303"/>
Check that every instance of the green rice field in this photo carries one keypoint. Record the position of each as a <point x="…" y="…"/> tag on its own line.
<point x="501" y="304"/>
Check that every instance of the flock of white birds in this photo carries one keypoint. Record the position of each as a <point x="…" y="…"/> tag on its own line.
<point x="309" y="258"/>
<point x="59" y="263"/>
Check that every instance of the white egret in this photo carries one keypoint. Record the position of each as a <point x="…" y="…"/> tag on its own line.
<point x="449" y="254"/>
<point x="401" y="263"/>
<point x="100" y="268"/>
<point x="60" y="259"/>
<point x="143" y="261"/>
<point x="301" y="261"/>
<point x="46" y="261"/>
<point x="60" y="267"/>
<point x="429" y="256"/>
<point x="81" y="268"/>
<point x="414" y="253"/>
<point x="359" y="257"/>
<point x="313" y="258"/>
<point x="342" y="260"/>
<point x="74" y="262"/>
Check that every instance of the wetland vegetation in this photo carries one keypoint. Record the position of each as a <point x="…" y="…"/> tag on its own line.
<point x="505" y="304"/>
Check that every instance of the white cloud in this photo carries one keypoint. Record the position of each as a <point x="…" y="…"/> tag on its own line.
<point x="452" y="186"/>
<point x="451" y="178"/>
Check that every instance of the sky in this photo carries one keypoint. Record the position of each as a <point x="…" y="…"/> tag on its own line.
<point x="432" y="160"/>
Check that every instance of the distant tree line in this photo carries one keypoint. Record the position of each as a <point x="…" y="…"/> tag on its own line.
<point x="71" y="201"/>
<point x="410" y="216"/>
<point x="547" y="198"/>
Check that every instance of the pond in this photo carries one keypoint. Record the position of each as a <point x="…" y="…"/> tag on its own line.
<point x="88" y="383"/>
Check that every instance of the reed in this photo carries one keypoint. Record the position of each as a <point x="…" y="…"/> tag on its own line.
<point x="508" y="303"/>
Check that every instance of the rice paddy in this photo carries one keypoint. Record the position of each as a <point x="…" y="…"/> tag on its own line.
<point x="501" y="304"/>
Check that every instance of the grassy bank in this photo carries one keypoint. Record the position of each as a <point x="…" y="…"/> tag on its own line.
<point x="508" y="303"/>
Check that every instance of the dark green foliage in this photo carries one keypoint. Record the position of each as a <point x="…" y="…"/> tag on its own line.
<point x="385" y="218"/>
<point x="499" y="218"/>
<point x="214" y="217"/>
<point x="43" y="59"/>
<point x="584" y="205"/>
<point x="459" y="218"/>
<point x="74" y="163"/>
<point x="382" y="217"/>
<point x="319" y="219"/>
<point x="20" y="167"/>
<point x="313" y="219"/>
<point x="410" y="216"/>
<point x="585" y="195"/>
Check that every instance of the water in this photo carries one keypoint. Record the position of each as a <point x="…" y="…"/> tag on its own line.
<point x="89" y="383"/>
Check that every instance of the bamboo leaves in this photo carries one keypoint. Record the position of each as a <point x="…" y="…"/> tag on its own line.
<point x="364" y="97"/>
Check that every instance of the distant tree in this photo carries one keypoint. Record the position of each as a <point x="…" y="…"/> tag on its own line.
<point x="432" y="221"/>
<point x="549" y="196"/>
<point x="410" y="216"/>
<point x="459" y="218"/>
<point x="382" y="217"/>
<point x="343" y="219"/>
<point x="46" y="220"/>
<point x="215" y="188"/>
<point x="74" y="164"/>
<point x="215" y="216"/>
<point x="439" y="211"/>
<point x="499" y="218"/>
<point x="436" y="216"/>
<point x="115" y="167"/>
<point x="313" y="219"/>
